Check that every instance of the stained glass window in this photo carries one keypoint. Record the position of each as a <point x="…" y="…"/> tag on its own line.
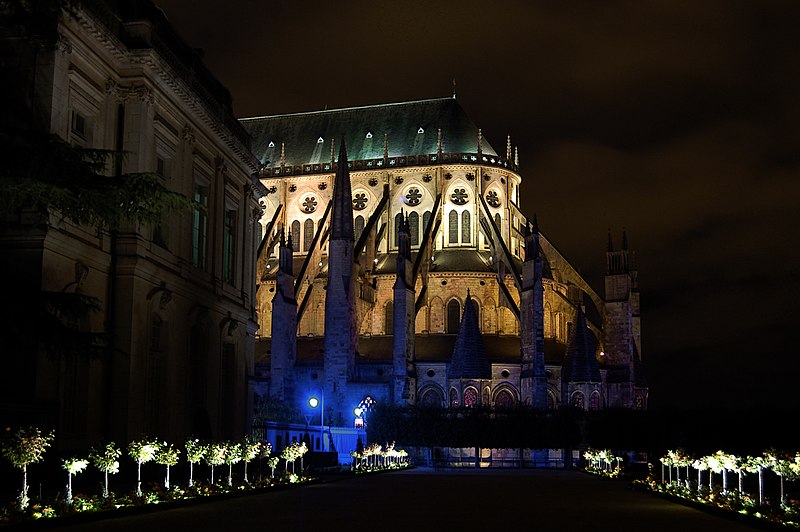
<point x="466" y="228"/>
<point x="453" y="397"/>
<point x="470" y="397"/>
<point x="504" y="399"/>
<point x="296" y="235"/>
<point x="358" y="226"/>
<point x="453" y="227"/>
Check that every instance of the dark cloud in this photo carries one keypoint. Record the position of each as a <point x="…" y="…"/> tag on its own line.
<point x="679" y="121"/>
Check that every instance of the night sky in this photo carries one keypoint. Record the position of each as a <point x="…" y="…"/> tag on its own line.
<point x="678" y="121"/>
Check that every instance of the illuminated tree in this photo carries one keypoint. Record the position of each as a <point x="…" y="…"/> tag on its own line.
<point x="22" y="448"/>
<point x="233" y="455"/>
<point x="757" y="464"/>
<point x="142" y="451"/>
<point x="106" y="459"/>
<point x="781" y="466"/>
<point x="166" y="455"/>
<point x="215" y="456"/>
<point x="249" y="450"/>
<point x="73" y="466"/>
<point x="701" y="464"/>
<point x="195" y="452"/>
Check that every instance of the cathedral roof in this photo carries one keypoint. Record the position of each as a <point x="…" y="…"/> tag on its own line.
<point x="412" y="129"/>
<point x="580" y="362"/>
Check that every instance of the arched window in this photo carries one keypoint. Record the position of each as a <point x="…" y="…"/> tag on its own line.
<point x="504" y="399"/>
<point x="296" y="235"/>
<point x="358" y="226"/>
<point x="466" y="228"/>
<point x="452" y="220"/>
<point x="594" y="401"/>
<point x="426" y="219"/>
<point x="453" y="398"/>
<point x="477" y="308"/>
<point x="398" y="221"/>
<point x="497" y="222"/>
<point x="308" y="234"/>
<point x="388" y="319"/>
<point x="638" y="402"/>
<point x="470" y="397"/>
<point x="453" y="316"/>
<point x="431" y="397"/>
<point x="413" y="228"/>
<point x="577" y="400"/>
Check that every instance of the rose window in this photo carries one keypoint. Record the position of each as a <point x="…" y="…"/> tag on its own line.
<point x="309" y="204"/>
<point x="360" y="201"/>
<point x="492" y="198"/>
<point x="459" y="196"/>
<point x="413" y="196"/>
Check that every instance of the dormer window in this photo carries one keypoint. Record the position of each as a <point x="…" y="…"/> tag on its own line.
<point x="320" y="140"/>
<point x="420" y="131"/>
<point x="369" y="134"/>
<point x="271" y="144"/>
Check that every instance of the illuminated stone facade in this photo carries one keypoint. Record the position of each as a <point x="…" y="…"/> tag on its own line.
<point x="176" y="301"/>
<point x="423" y="165"/>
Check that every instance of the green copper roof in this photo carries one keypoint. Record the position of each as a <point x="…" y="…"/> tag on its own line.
<point x="412" y="129"/>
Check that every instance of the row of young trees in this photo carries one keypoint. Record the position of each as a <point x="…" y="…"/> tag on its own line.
<point x="374" y="457"/>
<point x="25" y="446"/>
<point x="785" y="466"/>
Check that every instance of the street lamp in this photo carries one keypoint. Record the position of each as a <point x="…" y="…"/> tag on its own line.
<point x="314" y="402"/>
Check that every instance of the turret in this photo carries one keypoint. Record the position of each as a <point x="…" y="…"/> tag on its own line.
<point x="284" y="326"/>
<point x="531" y="308"/>
<point x="340" y="314"/>
<point x="404" y="384"/>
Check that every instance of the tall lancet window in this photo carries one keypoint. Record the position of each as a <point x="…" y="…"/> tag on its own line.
<point x="296" y="235"/>
<point x="413" y="228"/>
<point x="466" y="228"/>
<point x="452" y="222"/>
<point x="453" y="316"/>
<point x="358" y="226"/>
<point x="388" y="318"/>
<point x="398" y="224"/>
<point x="308" y="234"/>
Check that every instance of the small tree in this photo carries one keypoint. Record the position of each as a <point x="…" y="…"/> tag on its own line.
<point x="166" y="455"/>
<point x="73" y="466"/>
<point x="233" y="455"/>
<point x="273" y="463"/>
<point x="757" y="464"/>
<point x="701" y="464"/>
<point x="781" y="466"/>
<point x="106" y="459"/>
<point x="215" y="455"/>
<point x="195" y="452"/>
<point x="142" y="451"/>
<point x="264" y="452"/>
<point x="23" y="447"/>
<point x="249" y="450"/>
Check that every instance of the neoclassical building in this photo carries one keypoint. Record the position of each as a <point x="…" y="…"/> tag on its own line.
<point x="396" y="265"/>
<point x="175" y="302"/>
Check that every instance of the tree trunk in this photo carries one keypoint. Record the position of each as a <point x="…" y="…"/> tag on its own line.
<point x="69" y="489"/>
<point x="138" y="479"/>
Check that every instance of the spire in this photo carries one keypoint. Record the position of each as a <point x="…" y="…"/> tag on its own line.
<point x="516" y="155"/>
<point x="508" y="148"/>
<point x="469" y="355"/>
<point x="580" y="362"/>
<point x="385" y="147"/>
<point x="283" y="154"/>
<point x="610" y="243"/>
<point x="439" y="144"/>
<point x="342" y="220"/>
<point x="454" y="88"/>
<point x="535" y="224"/>
<point x="480" y="141"/>
<point x="333" y="144"/>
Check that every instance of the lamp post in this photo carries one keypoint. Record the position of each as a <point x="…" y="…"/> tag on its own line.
<point x="314" y="402"/>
